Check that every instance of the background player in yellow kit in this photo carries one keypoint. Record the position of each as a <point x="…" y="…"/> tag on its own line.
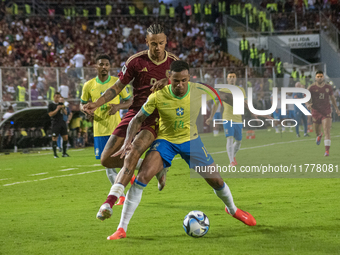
<point x="106" y="117"/>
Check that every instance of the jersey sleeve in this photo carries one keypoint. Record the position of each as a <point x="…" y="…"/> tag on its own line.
<point x="128" y="71"/>
<point x="125" y="94"/>
<point x="85" y="95"/>
<point x="150" y="105"/>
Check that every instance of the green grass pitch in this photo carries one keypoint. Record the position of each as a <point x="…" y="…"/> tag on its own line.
<point x="48" y="206"/>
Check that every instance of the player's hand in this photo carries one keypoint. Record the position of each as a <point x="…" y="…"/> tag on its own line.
<point x="208" y="121"/>
<point x="89" y="108"/>
<point x="338" y="112"/>
<point x="159" y="85"/>
<point x="113" y="109"/>
<point x="124" y="150"/>
<point x="59" y="107"/>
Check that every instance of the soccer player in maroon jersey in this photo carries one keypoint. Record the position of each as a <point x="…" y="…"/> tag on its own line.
<point x="148" y="69"/>
<point x="321" y="93"/>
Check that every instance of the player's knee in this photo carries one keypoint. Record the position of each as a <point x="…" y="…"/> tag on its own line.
<point x="143" y="178"/>
<point x="217" y="184"/>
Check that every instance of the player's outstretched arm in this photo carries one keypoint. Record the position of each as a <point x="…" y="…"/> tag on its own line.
<point x="213" y="111"/>
<point x="159" y="84"/>
<point x="133" y="128"/>
<point x="124" y="105"/>
<point x="333" y="100"/>
<point x="109" y="94"/>
<point x="227" y="98"/>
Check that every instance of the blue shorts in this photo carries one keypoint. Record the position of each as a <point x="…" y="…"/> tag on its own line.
<point x="99" y="145"/>
<point x="290" y="115"/>
<point x="217" y="116"/>
<point x="235" y="130"/>
<point x="277" y="114"/>
<point x="193" y="152"/>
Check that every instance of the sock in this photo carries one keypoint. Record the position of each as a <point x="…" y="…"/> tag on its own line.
<point x="54" y="146"/>
<point x="230" y="148"/>
<point x="64" y="146"/>
<point x="111" y="175"/>
<point x="139" y="163"/>
<point x="115" y="192"/>
<point x="237" y="145"/>
<point x="283" y="129"/>
<point x="215" y="132"/>
<point x="225" y="195"/>
<point x="131" y="203"/>
<point x="276" y="129"/>
<point x="327" y="144"/>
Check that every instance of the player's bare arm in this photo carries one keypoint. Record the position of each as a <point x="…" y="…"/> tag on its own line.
<point x="124" y="105"/>
<point x="133" y="128"/>
<point x="159" y="85"/>
<point x="309" y="103"/>
<point x="333" y="100"/>
<point x="227" y="98"/>
<point x="213" y="111"/>
<point x="109" y="94"/>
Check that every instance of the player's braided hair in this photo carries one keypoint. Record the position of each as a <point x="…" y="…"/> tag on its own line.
<point x="155" y="29"/>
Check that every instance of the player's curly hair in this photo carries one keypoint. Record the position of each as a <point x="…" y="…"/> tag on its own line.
<point x="155" y="29"/>
<point x="103" y="56"/>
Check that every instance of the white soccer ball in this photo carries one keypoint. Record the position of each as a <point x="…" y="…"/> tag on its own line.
<point x="196" y="224"/>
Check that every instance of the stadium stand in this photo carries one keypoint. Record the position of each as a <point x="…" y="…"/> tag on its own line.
<point x="49" y="46"/>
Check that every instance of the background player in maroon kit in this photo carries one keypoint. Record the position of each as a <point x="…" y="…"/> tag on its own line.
<point x="321" y="93"/>
<point x="147" y="69"/>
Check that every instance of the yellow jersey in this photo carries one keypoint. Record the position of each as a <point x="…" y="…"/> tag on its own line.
<point x="177" y="115"/>
<point x="228" y="109"/>
<point x="103" y="123"/>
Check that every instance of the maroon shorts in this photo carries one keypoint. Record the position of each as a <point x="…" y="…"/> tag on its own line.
<point x="318" y="117"/>
<point x="151" y="123"/>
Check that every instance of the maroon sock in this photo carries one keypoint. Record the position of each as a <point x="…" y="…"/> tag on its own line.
<point x="111" y="199"/>
<point x="327" y="148"/>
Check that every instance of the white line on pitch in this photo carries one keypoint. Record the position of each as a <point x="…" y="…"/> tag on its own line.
<point x="52" y="177"/>
<point x="38" y="174"/>
<point x="266" y="145"/>
<point x="5" y="179"/>
<point x="68" y="169"/>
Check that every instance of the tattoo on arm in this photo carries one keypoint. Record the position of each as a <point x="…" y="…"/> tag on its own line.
<point x="109" y="94"/>
<point x="135" y="125"/>
<point x="127" y="171"/>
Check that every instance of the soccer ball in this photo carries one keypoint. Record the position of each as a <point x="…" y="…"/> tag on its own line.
<point x="196" y="224"/>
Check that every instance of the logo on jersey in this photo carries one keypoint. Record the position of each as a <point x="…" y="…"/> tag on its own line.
<point x="154" y="147"/>
<point x="327" y="90"/>
<point x="179" y="111"/>
<point x="144" y="70"/>
<point x="124" y="69"/>
<point x="97" y="152"/>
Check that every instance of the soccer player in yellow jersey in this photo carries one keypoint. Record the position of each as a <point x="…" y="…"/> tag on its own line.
<point x="106" y="117"/>
<point x="233" y="128"/>
<point x="178" y="105"/>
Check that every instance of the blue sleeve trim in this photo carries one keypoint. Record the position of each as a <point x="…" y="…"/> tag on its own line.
<point x="127" y="98"/>
<point x="147" y="114"/>
<point x="83" y="102"/>
<point x="140" y="183"/>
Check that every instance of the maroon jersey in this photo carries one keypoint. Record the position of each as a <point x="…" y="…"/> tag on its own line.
<point x="145" y="73"/>
<point x="321" y="97"/>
